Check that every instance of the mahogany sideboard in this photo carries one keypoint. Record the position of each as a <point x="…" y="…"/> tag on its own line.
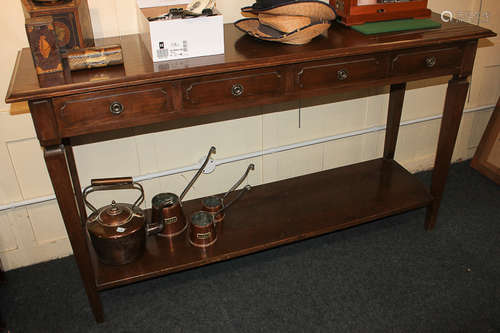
<point x="140" y="96"/>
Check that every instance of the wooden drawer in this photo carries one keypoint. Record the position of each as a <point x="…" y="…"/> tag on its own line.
<point x="246" y="87"/>
<point x="324" y="74"/>
<point x="446" y="60"/>
<point x="111" y="109"/>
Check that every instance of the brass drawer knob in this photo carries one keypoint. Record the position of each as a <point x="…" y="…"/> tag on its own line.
<point x="430" y="61"/>
<point x="342" y="75"/>
<point x="116" y="108"/>
<point x="237" y="89"/>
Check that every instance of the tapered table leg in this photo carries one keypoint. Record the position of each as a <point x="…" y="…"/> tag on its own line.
<point x="396" y="99"/>
<point x="76" y="182"/>
<point x="452" y="115"/>
<point x="58" y="167"/>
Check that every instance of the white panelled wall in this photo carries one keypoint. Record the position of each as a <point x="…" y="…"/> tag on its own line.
<point x="36" y="233"/>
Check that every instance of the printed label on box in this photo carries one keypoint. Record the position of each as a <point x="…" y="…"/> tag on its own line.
<point x="172" y="49"/>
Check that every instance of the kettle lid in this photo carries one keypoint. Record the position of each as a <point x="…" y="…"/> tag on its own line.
<point x="115" y="215"/>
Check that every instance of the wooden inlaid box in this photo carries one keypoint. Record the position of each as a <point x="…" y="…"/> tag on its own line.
<point x="354" y="12"/>
<point x="45" y="50"/>
<point x="71" y="21"/>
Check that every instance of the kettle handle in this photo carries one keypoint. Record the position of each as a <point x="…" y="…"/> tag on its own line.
<point x="105" y="184"/>
<point x="112" y="181"/>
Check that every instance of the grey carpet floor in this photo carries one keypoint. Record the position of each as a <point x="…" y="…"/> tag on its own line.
<point x="386" y="276"/>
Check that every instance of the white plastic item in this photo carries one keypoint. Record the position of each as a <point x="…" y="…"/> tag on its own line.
<point x="197" y="6"/>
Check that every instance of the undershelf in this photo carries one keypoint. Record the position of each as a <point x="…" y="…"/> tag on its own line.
<point x="279" y="213"/>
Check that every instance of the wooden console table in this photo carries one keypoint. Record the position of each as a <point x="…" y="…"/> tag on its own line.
<point x="142" y="97"/>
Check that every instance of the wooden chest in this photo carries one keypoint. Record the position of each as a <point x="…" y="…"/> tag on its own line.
<point x="354" y="12"/>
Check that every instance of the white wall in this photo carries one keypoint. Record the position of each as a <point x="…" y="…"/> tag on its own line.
<point x="36" y="233"/>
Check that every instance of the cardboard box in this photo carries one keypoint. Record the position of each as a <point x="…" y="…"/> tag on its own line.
<point x="179" y="38"/>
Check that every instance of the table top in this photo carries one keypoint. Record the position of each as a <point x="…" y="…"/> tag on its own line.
<point x="241" y="52"/>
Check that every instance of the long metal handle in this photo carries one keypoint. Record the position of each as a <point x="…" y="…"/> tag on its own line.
<point x="198" y="173"/>
<point x="105" y="184"/>
<point x="238" y="183"/>
<point x="243" y="191"/>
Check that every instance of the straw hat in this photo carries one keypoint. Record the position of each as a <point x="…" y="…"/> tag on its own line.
<point x="286" y="21"/>
<point x="284" y="29"/>
<point x="315" y="9"/>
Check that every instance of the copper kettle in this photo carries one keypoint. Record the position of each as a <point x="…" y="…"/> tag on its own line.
<point x="166" y="208"/>
<point x="118" y="231"/>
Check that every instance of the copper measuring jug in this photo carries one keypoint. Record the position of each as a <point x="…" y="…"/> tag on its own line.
<point x="203" y="229"/>
<point x="215" y="205"/>
<point x="167" y="207"/>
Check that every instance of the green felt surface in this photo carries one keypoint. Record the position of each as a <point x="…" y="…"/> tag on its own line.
<point x="396" y="25"/>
